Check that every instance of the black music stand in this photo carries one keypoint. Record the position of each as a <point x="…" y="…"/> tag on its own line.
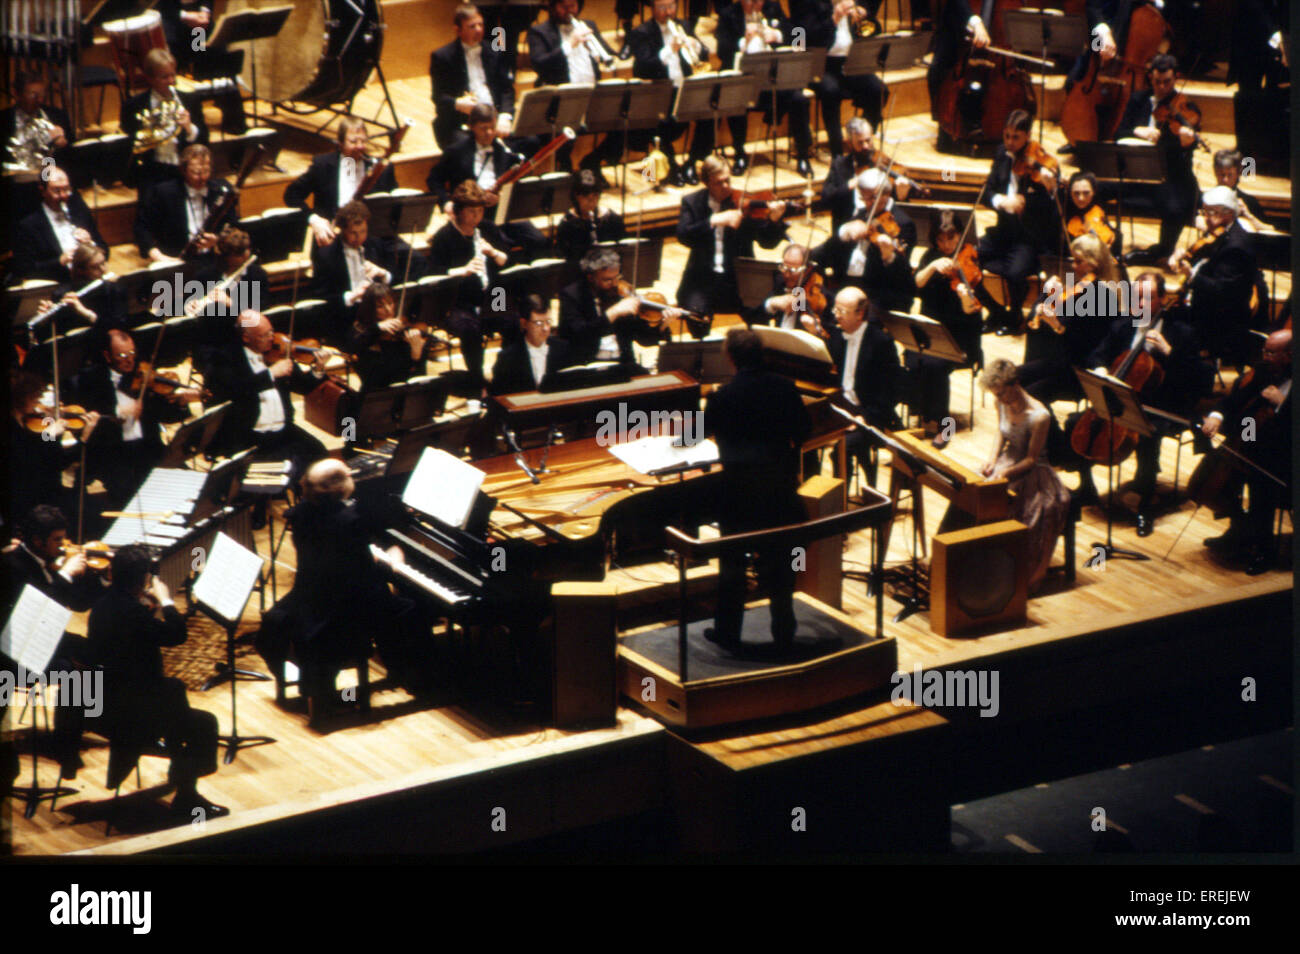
<point x="1273" y="253"/>
<point x="542" y="276"/>
<point x="227" y="671"/>
<point x="98" y="163"/>
<point x="249" y="26"/>
<point x="400" y="407"/>
<point x="224" y="150"/>
<point x="924" y="336"/>
<point x="626" y="105"/>
<point x="549" y="109"/>
<point x="782" y="70"/>
<point x="715" y="96"/>
<point x="535" y="195"/>
<point x="398" y="214"/>
<point x="885" y="51"/>
<point x="923" y="214"/>
<point x="1122" y="163"/>
<point x="193" y="437"/>
<point x="1046" y="32"/>
<point x="276" y="233"/>
<point x="754" y="280"/>
<point x="705" y="360"/>
<point x="1116" y="403"/>
<point x="639" y="262"/>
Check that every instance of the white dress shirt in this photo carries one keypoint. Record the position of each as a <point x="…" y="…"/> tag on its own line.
<point x="484" y="168"/>
<point x="64" y="231"/>
<point x="718" y="257"/>
<point x="843" y="38"/>
<point x="581" y="69"/>
<point x="351" y="173"/>
<point x="478" y="84"/>
<point x="670" y="59"/>
<point x="196" y="210"/>
<point x="1013" y="189"/>
<point x="132" y="429"/>
<point x="270" y="410"/>
<point x="852" y="345"/>
<point x="537" y="358"/>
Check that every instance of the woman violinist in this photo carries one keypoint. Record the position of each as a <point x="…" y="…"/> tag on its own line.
<point x="1084" y="213"/>
<point x="386" y="349"/>
<point x="945" y="281"/>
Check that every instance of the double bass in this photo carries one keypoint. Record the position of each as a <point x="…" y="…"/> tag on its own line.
<point x="1095" y="104"/>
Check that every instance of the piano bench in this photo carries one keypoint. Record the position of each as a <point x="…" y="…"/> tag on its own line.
<point x="362" y="665"/>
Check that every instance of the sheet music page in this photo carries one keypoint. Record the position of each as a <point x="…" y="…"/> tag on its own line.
<point x="443" y="487"/>
<point x="650" y="454"/>
<point x="793" y="341"/>
<point x="34" y="629"/>
<point x="228" y="578"/>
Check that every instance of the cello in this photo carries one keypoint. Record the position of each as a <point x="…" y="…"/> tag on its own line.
<point x="1105" y="442"/>
<point x="1095" y="104"/>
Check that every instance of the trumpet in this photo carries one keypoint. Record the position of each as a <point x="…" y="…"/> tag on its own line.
<point x="159" y="125"/>
<point x="594" y="48"/>
<point x="865" y="26"/>
<point x="688" y="44"/>
<point x="30" y="144"/>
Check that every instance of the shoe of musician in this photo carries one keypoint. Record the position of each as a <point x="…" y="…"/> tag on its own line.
<point x="1145" y="524"/>
<point x="677" y="177"/>
<point x="804" y="167"/>
<point x="740" y="165"/>
<point x="1224" y="543"/>
<point x="730" y="645"/>
<point x="1087" y="496"/>
<point x="689" y="176"/>
<point x="1258" y="561"/>
<point x="185" y="805"/>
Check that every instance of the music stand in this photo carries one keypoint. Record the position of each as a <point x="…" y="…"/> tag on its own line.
<point x="249" y="26"/>
<point x="396" y="213"/>
<point x="783" y="70"/>
<point x="754" y="280"/>
<point x="434" y="295"/>
<point x="1121" y="163"/>
<point x="1273" y="253"/>
<point x="223" y="150"/>
<point x="98" y="163"/>
<point x="626" y="105"/>
<point x="923" y="335"/>
<point x="549" y="109"/>
<point x="886" y="51"/>
<point x="534" y="196"/>
<point x="923" y="214"/>
<point x="639" y="262"/>
<point x="193" y="437"/>
<point x="542" y="276"/>
<point x="715" y="96"/>
<point x="1045" y="32"/>
<point x="704" y="360"/>
<point x="230" y="570"/>
<point x="1116" y="403"/>
<point x="400" y="407"/>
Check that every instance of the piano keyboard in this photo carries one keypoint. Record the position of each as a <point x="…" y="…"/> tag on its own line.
<point x="427" y="583"/>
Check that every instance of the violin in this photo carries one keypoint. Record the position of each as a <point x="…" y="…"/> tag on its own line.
<point x="968" y="270"/>
<point x="1033" y="161"/>
<point x="73" y="416"/>
<point x="1178" y="113"/>
<point x="814" y="294"/>
<point x="1206" y="241"/>
<point x="652" y="307"/>
<point x="896" y="171"/>
<point x="884" y="223"/>
<point x="1044" y="314"/>
<point x="303" y="351"/>
<point x="1094" y="221"/>
<point x="755" y="205"/>
<point x="164" y="385"/>
<point x="99" y="555"/>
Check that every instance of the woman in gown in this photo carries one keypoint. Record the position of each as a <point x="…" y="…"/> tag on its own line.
<point x="1040" y="500"/>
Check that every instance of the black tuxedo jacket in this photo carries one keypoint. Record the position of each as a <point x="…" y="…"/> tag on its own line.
<point x="94" y="390"/>
<point x="1188" y="377"/>
<point x="1178" y="158"/>
<point x="891" y="286"/>
<point x="573" y="236"/>
<point x="582" y="320"/>
<point x="133" y="113"/>
<point x="546" y="52"/>
<point x="450" y="77"/>
<point x="36" y="248"/>
<point x="126" y="639"/>
<point x="230" y="378"/>
<point x="321" y="182"/>
<point x="457" y="164"/>
<point x="646" y="42"/>
<point x="329" y="270"/>
<point x="731" y="29"/>
<point x="694" y="231"/>
<point x="877" y="378"/>
<point x="22" y="568"/>
<point x="1221" y="288"/>
<point x="1271" y="448"/>
<point x="839" y="188"/>
<point x="513" y="372"/>
<point x="1039" y="224"/>
<point x="9" y="128"/>
<point x="162" y="220"/>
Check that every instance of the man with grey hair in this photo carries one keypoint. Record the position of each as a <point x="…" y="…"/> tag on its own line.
<point x="597" y="322"/>
<point x="871" y="258"/>
<point x="839" y="191"/>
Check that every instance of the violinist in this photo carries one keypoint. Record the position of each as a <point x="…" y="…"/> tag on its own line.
<point x="45" y="240"/>
<point x="386" y="350"/>
<point x="526" y="363"/>
<point x="1021" y="187"/>
<point x="468" y="247"/>
<point x="839" y="190"/>
<point x="1260" y="400"/>
<point x="342" y="270"/>
<point x="717" y="225"/>
<point x="757" y="26"/>
<point x="259" y="382"/>
<point x="1219" y="273"/>
<point x="333" y="178"/>
<point x="1084" y="213"/>
<point x="175" y="211"/>
<point x="795" y="301"/>
<point x="662" y="48"/>
<point x="831" y="24"/>
<point x="871" y="251"/>
<point x="586" y="224"/>
<point x="947" y="295"/>
<point x="1184" y="377"/>
<point x="1071" y="319"/>
<point x="597" y="321"/>
<point x="1152" y="115"/>
<point x="127" y="444"/>
<point x="41" y="447"/>
<point x="1227" y="173"/>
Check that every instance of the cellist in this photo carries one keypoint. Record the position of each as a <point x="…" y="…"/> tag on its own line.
<point x="955" y="24"/>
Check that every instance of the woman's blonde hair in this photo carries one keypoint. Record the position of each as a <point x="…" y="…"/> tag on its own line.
<point x="1094" y="251"/>
<point x="998" y="374"/>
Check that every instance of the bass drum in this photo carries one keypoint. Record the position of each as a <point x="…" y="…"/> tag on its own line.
<point x="322" y="56"/>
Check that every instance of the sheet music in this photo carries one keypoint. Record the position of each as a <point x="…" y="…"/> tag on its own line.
<point x="34" y="629"/>
<point x="651" y="454"/>
<point x="228" y="578"/>
<point x="443" y="487"/>
<point x="165" y="490"/>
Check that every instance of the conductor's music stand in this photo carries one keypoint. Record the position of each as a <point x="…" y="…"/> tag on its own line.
<point x="715" y="96"/>
<point x="1046" y="32"/>
<point x="783" y="70"/>
<point x="1117" y="404"/>
<point x="626" y="105"/>
<point x="249" y="26"/>
<point x="886" y="51"/>
<point x="1122" y="163"/>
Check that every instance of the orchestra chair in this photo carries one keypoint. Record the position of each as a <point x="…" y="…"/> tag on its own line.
<point x="361" y="663"/>
<point x="124" y="754"/>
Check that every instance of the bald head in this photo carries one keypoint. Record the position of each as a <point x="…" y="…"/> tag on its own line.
<point x="121" y="352"/>
<point x="1277" y="350"/>
<point x="327" y="479"/>
<point x="850" y="309"/>
<point x="255" y="331"/>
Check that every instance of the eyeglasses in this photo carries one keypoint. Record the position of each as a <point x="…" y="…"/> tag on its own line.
<point x="540" y="322"/>
<point x="120" y="355"/>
